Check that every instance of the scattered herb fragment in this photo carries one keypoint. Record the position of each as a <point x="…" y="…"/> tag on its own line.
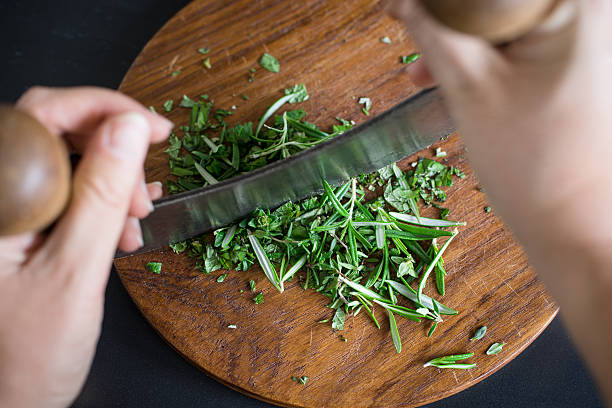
<point x="207" y="63"/>
<point x="409" y="59"/>
<point x="252" y="285"/>
<point x="385" y="40"/>
<point x="339" y="319"/>
<point x="232" y="326"/>
<point x="270" y="63"/>
<point x="154" y="267"/>
<point x="367" y="104"/>
<point x="179" y="247"/>
<point x="451" y="362"/>
<point x="176" y="73"/>
<point x="323" y="321"/>
<point x="246" y="98"/>
<point x="258" y="299"/>
<point x="495" y="348"/>
<point x="344" y="339"/>
<point x="204" y="50"/>
<point x="303" y="379"/>
<point x="152" y="109"/>
<point x="479" y="334"/>
<point x="487" y="209"/>
<point x="221" y="278"/>
<point x="168" y="105"/>
<point x="440" y="153"/>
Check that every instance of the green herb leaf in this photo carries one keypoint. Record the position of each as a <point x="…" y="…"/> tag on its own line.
<point x="451" y="362"/>
<point x="409" y="59"/>
<point x="270" y="63"/>
<point x="154" y="267"/>
<point x="397" y="341"/>
<point x="479" y="334"/>
<point x="179" y="247"/>
<point x="252" y="285"/>
<point x="168" y="105"/>
<point x="339" y="319"/>
<point x="258" y="299"/>
<point x="495" y="348"/>
<point x="221" y="278"/>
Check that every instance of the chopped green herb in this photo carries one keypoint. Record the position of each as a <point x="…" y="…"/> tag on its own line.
<point x="154" y="267"/>
<point x="252" y="285"/>
<point x="168" y="105"/>
<point x="232" y="326"/>
<point x="323" y="321"/>
<point x="207" y="63"/>
<point x="367" y="104"/>
<point x="246" y="98"/>
<point x="409" y="59"/>
<point x="252" y="70"/>
<point x="179" y="247"/>
<point x="176" y="73"/>
<point x="270" y="63"/>
<point x="347" y="248"/>
<point x="479" y="334"/>
<point x="487" y="209"/>
<point x="152" y="109"/>
<point x="338" y="320"/>
<point x="495" y="348"/>
<point x="221" y="278"/>
<point x="451" y="362"/>
<point x="294" y="379"/>
<point x="385" y="40"/>
<point x="303" y="379"/>
<point x="204" y="50"/>
<point x="343" y="338"/>
<point x="440" y="153"/>
<point x="258" y="298"/>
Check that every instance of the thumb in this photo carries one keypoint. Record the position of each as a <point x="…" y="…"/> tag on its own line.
<point x="86" y="237"/>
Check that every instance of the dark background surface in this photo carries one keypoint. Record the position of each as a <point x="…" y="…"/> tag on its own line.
<point x="67" y="43"/>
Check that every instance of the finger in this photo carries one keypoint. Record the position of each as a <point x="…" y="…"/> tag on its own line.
<point x="155" y="190"/>
<point x="15" y="250"/>
<point x="131" y="236"/>
<point x="420" y="74"/>
<point x="79" y="111"/>
<point x="141" y="204"/>
<point x="85" y="238"/>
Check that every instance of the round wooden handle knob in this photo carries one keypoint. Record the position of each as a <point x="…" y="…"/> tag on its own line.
<point x="34" y="173"/>
<point x="495" y="20"/>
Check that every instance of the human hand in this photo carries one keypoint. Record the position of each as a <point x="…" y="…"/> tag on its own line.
<point x="52" y="286"/>
<point x="535" y="117"/>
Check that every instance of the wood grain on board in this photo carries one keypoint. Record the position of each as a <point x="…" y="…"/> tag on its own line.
<point x="334" y="48"/>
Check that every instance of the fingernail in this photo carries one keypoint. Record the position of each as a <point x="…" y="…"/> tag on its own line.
<point x="145" y="191"/>
<point x="135" y="225"/>
<point x="128" y="137"/>
<point x="157" y="183"/>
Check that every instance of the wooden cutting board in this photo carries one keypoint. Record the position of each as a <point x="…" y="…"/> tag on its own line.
<point x="334" y="47"/>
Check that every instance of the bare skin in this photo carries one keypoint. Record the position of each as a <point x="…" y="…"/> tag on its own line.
<point x="534" y="116"/>
<point x="536" y="119"/>
<point x="52" y="287"/>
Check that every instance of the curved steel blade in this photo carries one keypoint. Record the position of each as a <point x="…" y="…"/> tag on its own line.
<point x="407" y="128"/>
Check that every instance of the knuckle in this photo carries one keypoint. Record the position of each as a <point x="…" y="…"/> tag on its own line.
<point x="103" y="190"/>
<point x="32" y="96"/>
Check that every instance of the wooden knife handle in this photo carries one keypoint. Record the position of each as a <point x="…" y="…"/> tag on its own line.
<point x="498" y="21"/>
<point x="34" y="173"/>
